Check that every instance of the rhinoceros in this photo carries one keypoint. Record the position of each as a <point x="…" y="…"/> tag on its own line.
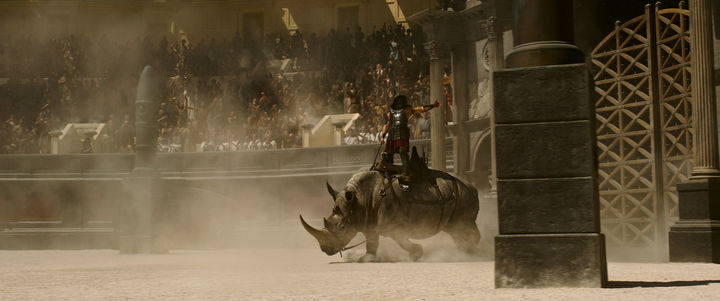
<point x="375" y="205"/>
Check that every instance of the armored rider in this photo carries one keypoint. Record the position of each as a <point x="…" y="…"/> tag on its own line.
<point x="398" y="134"/>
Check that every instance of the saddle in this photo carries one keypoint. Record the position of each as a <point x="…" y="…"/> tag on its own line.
<point x="417" y="169"/>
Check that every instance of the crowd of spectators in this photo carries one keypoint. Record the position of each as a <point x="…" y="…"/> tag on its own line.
<point x="221" y="95"/>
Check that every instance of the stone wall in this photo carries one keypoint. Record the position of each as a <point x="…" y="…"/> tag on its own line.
<point x="208" y="196"/>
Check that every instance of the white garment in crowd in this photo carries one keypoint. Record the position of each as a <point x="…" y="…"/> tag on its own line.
<point x="224" y="147"/>
<point x="371" y="138"/>
<point x="207" y="146"/>
<point x="235" y="145"/>
<point x="352" y="140"/>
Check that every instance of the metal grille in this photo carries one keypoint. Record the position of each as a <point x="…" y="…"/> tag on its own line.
<point x="643" y="125"/>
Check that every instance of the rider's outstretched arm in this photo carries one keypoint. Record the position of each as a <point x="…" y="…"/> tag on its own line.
<point x="425" y="108"/>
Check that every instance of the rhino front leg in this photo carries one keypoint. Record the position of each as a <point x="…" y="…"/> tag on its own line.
<point x="372" y="239"/>
<point x="414" y="250"/>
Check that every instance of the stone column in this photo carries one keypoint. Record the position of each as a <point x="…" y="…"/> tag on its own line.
<point x="436" y="50"/>
<point x="541" y="36"/>
<point x="338" y="137"/>
<point x="137" y="227"/>
<point x="495" y="43"/>
<point x="306" y="131"/>
<point x="497" y="62"/>
<point x="461" y="148"/>
<point x="696" y="235"/>
<point x="548" y="208"/>
<point x="703" y="91"/>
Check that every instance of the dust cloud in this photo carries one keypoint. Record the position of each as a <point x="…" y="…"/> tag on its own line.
<point x="438" y="248"/>
<point x="255" y="215"/>
<point x="202" y="212"/>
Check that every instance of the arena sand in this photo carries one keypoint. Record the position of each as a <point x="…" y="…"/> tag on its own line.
<point x="308" y="274"/>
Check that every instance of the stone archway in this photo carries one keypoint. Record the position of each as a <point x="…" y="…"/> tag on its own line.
<point x="480" y="163"/>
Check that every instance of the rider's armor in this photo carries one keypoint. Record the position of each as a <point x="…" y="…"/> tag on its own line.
<point x="398" y="125"/>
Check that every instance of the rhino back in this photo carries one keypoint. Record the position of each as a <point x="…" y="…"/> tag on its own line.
<point x="430" y="206"/>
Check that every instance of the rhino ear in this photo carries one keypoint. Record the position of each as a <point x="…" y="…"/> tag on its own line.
<point x="332" y="191"/>
<point x="349" y="195"/>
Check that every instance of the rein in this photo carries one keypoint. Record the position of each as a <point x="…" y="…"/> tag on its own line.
<point x="350" y="247"/>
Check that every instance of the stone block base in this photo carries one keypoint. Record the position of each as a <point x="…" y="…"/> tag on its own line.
<point x="696" y="235"/>
<point x="559" y="205"/>
<point x="550" y="260"/>
<point x="698" y="199"/>
<point x="695" y="241"/>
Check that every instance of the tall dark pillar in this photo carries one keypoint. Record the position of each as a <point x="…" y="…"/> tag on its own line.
<point x="543" y="34"/>
<point x="548" y="207"/>
<point x="137" y="229"/>
<point x="146" y="103"/>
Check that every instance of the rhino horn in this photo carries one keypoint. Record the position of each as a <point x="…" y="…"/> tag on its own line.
<point x="322" y="236"/>
<point x="332" y="191"/>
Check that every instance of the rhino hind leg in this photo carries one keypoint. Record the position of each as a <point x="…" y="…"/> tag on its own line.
<point x="466" y="237"/>
<point x="414" y="250"/>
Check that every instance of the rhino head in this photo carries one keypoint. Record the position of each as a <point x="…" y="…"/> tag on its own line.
<point x="338" y="228"/>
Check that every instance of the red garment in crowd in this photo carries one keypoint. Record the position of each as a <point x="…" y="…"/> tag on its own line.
<point x="449" y="104"/>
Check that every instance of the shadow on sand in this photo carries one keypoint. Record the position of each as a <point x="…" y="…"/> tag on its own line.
<point x="631" y="284"/>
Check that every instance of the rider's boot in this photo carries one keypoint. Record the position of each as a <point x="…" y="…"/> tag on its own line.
<point x="406" y="165"/>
